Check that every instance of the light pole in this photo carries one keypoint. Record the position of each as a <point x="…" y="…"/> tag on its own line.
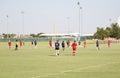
<point x="81" y="8"/>
<point x="110" y="20"/>
<point x="22" y="21"/>
<point x="79" y="22"/>
<point x="7" y="25"/>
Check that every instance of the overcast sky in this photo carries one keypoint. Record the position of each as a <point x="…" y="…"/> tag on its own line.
<point x="42" y="15"/>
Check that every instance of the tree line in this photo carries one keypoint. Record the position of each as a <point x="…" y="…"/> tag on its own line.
<point x="5" y="36"/>
<point x="113" y="32"/>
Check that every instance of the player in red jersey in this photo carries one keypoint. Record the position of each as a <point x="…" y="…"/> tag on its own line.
<point x="84" y="43"/>
<point x="108" y="43"/>
<point x="74" y="47"/>
<point x="50" y="44"/>
<point x="68" y="43"/>
<point x="21" y="43"/>
<point x="9" y="44"/>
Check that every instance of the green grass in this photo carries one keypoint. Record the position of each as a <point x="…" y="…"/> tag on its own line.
<point x="41" y="62"/>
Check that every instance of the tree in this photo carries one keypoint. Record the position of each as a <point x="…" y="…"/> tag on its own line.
<point x="115" y="30"/>
<point x="100" y="34"/>
<point x="38" y="35"/>
<point x="112" y="31"/>
<point x="33" y="35"/>
<point x="4" y="35"/>
<point x="108" y="31"/>
<point x="8" y="35"/>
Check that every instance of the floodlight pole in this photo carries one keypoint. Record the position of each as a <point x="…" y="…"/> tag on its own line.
<point x="23" y="21"/>
<point x="55" y="30"/>
<point x="79" y="22"/>
<point x="81" y="8"/>
<point x="7" y="25"/>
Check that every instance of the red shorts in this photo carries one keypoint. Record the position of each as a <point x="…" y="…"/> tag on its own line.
<point x="9" y="45"/>
<point x="74" y="50"/>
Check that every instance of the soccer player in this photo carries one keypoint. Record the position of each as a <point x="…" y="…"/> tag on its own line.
<point x="35" y="43"/>
<point x="50" y="44"/>
<point x="84" y="43"/>
<point x="9" y="44"/>
<point x="74" y="47"/>
<point x="79" y="42"/>
<point x="57" y="47"/>
<point x="97" y="45"/>
<point x="21" y="43"/>
<point x="16" y="45"/>
<point x="63" y="45"/>
<point x="68" y="43"/>
<point x="32" y="42"/>
<point x="108" y="43"/>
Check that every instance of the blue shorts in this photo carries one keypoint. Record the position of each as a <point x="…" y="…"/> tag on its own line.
<point x="56" y="48"/>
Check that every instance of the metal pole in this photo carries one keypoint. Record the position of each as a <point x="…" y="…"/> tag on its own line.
<point x="7" y="25"/>
<point x="55" y="31"/>
<point x="23" y="21"/>
<point x="79" y="22"/>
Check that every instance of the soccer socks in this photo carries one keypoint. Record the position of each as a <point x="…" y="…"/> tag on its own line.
<point x="57" y="53"/>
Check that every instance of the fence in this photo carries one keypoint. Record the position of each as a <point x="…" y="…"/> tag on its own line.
<point x="43" y="39"/>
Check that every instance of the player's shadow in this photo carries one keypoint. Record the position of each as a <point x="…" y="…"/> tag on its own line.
<point x="52" y="55"/>
<point x="62" y="55"/>
<point x="67" y="55"/>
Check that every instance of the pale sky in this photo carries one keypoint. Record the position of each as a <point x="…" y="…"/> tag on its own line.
<point x="42" y="15"/>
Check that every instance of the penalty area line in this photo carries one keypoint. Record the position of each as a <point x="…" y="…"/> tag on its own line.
<point x="78" y="69"/>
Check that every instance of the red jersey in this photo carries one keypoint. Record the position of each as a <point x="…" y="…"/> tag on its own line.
<point x="50" y="43"/>
<point x="109" y="42"/>
<point x="21" y="43"/>
<point x="10" y="43"/>
<point x="68" y="43"/>
<point x="84" y="44"/>
<point x="74" y="46"/>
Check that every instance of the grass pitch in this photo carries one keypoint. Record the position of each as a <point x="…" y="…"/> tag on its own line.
<point x="41" y="62"/>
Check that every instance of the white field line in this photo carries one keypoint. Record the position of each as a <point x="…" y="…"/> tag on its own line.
<point x="78" y="69"/>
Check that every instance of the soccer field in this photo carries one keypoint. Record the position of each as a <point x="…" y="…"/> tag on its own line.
<point x="41" y="62"/>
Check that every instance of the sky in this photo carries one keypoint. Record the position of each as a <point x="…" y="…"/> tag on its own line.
<point x="60" y="16"/>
